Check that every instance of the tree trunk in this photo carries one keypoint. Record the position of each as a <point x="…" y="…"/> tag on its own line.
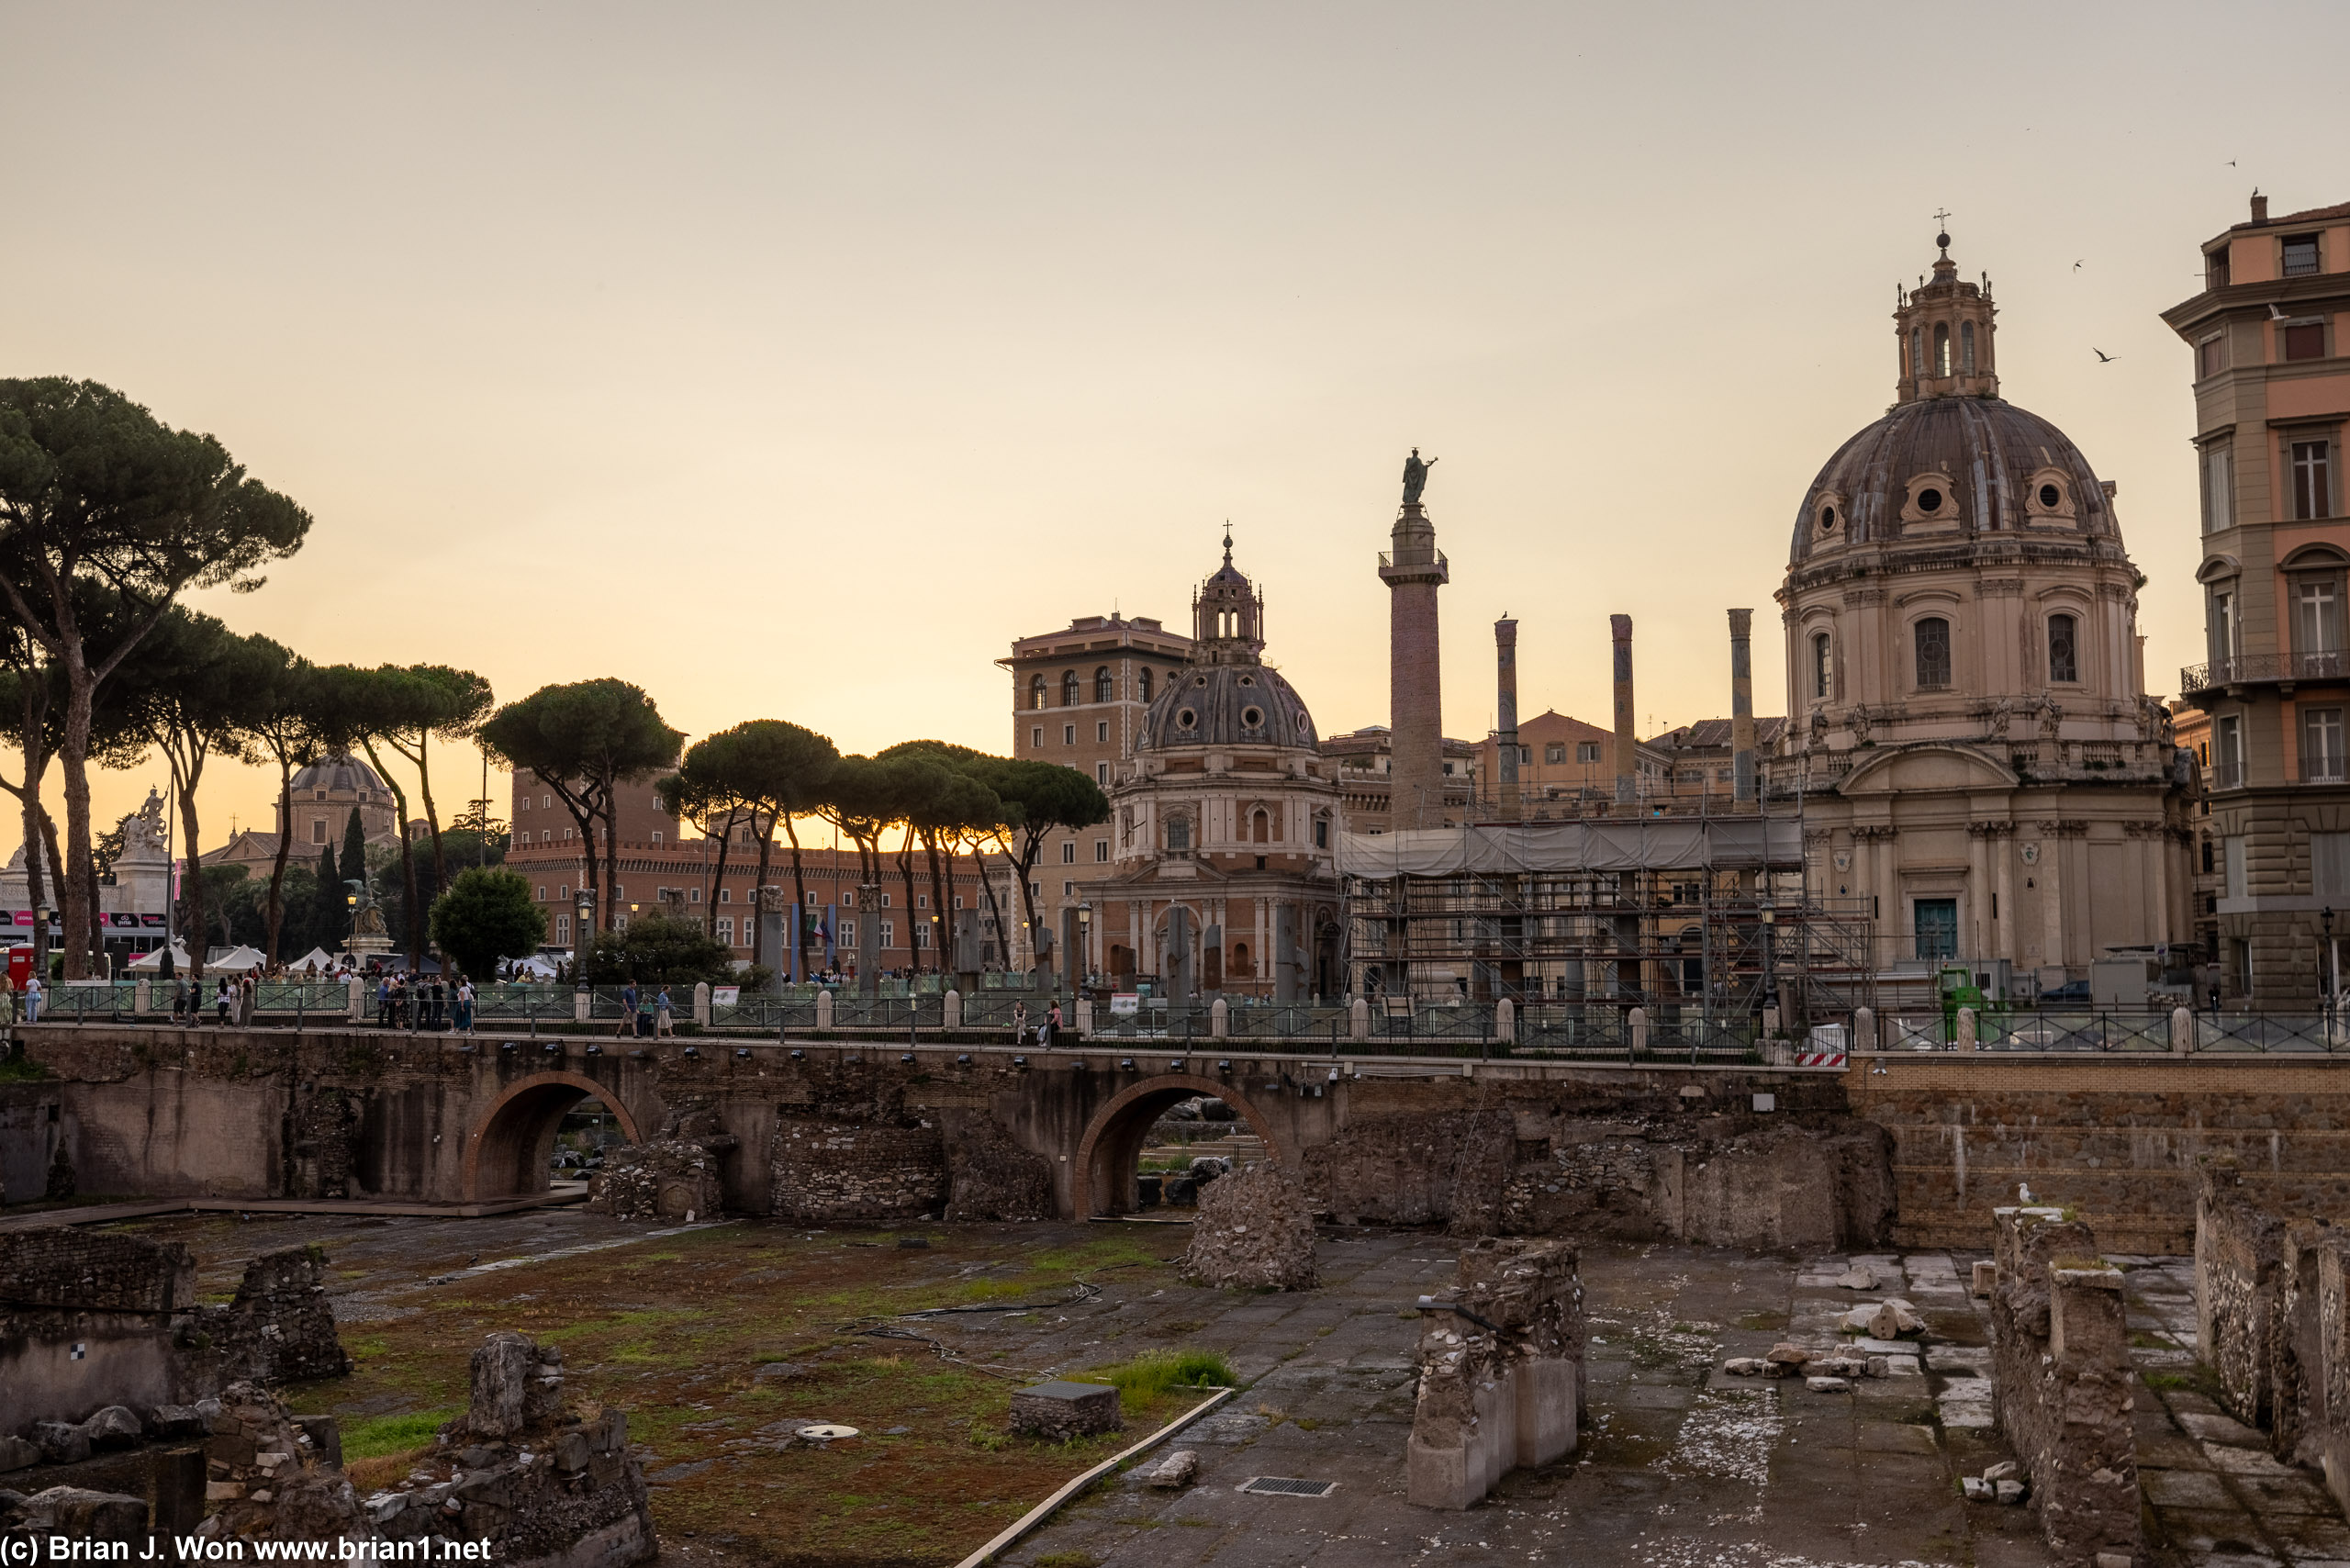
<point x="284" y="848"/>
<point x="798" y="950"/>
<point x="906" y="873"/>
<point x="942" y="928"/>
<point x="718" y="876"/>
<point x="185" y="780"/>
<point x="995" y="909"/>
<point x="32" y="741"/>
<point x="411" y="917"/>
<point x="431" y="816"/>
<point x="81" y="692"/>
<point x="611" y="856"/>
<point x="759" y="890"/>
<point x="1033" y="846"/>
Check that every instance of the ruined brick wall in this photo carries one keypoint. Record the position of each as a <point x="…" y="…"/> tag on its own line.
<point x="326" y="1146"/>
<point x="841" y="1172"/>
<point x="73" y="1269"/>
<point x="667" y="1178"/>
<point x="1539" y="1168"/>
<point x="990" y="1177"/>
<point x="280" y="1328"/>
<point x="2238" y="1286"/>
<point x="2116" y="1140"/>
<point x="2061" y="1379"/>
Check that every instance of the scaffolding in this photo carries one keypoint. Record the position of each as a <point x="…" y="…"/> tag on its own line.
<point x="1704" y="916"/>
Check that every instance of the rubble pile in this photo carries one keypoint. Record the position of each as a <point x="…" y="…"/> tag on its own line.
<point x="272" y="1477"/>
<point x="1254" y="1231"/>
<point x="673" y="1175"/>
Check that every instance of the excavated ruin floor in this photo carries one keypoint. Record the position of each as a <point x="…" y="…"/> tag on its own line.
<point x="716" y="1337"/>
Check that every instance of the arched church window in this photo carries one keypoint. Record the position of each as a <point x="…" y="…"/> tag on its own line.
<point x="1261" y="827"/>
<point x="1942" y="348"/>
<point x="2063" y="641"/>
<point x="1967" y="345"/>
<point x="1036" y="691"/>
<point x="1932" y="636"/>
<point x="1146" y="685"/>
<point x="1820" y="648"/>
<point x="1069" y="688"/>
<point x="1917" y="351"/>
<point x="1104" y="687"/>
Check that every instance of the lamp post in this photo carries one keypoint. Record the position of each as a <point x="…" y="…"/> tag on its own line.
<point x="583" y="938"/>
<point x="1770" y="982"/>
<point x="2332" y="978"/>
<point x="1081" y="963"/>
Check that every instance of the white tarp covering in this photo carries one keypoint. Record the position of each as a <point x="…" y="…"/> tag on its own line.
<point x="151" y="961"/>
<point x="1649" y="844"/>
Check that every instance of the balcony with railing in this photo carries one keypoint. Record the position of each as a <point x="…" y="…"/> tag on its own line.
<point x="2266" y="669"/>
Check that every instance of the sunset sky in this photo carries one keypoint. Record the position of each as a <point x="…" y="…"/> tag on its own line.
<point x="791" y="361"/>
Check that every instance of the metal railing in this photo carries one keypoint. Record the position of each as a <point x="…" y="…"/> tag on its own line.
<point x="2248" y="669"/>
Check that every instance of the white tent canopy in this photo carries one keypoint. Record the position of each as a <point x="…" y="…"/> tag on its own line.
<point x="317" y="958"/>
<point x="151" y="962"/>
<point x="233" y="961"/>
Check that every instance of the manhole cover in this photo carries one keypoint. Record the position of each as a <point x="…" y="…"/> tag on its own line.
<point x="825" y="1432"/>
<point x="1287" y="1486"/>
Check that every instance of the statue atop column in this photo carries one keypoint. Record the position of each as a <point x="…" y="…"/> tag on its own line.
<point x="1416" y="476"/>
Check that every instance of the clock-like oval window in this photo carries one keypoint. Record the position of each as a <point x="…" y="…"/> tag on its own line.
<point x="1188" y="719"/>
<point x="2050" y="496"/>
<point x="1930" y="501"/>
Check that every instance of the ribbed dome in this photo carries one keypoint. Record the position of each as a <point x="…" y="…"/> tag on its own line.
<point x="345" y="774"/>
<point x="1968" y="464"/>
<point x="1227" y="705"/>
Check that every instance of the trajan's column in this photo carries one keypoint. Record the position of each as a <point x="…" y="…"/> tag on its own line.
<point x="1413" y="570"/>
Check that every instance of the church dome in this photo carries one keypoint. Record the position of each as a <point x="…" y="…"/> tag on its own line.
<point x="341" y="775"/>
<point x="1945" y="465"/>
<point x="1227" y="705"/>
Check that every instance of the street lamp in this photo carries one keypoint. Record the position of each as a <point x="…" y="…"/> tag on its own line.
<point x="2333" y="961"/>
<point x="1081" y="962"/>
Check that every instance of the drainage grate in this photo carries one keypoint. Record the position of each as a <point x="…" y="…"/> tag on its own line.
<point x="1287" y="1486"/>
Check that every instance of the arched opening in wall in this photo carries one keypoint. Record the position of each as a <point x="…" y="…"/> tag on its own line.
<point x="1122" y="964"/>
<point x="1241" y="968"/>
<point x="1109" y="1154"/>
<point x="1942" y="348"/>
<point x="1260" y="826"/>
<point x="509" y="1152"/>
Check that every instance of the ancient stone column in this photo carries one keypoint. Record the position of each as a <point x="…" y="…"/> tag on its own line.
<point x="1628" y="792"/>
<point x="1741" y="704"/>
<point x="1413" y="570"/>
<point x="1506" y="716"/>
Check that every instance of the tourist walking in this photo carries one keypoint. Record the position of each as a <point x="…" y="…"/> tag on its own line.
<point x="220" y="1003"/>
<point x="628" y="1008"/>
<point x="1048" y="1033"/>
<point x="661" y="1008"/>
<point x="382" y="1002"/>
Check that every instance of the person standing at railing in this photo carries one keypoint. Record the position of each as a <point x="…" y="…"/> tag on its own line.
<point x="220" y="1001"/>
<point x="382" y="1002"/>
<point x="465" y="1005"/>
<point x="32" y="998"/>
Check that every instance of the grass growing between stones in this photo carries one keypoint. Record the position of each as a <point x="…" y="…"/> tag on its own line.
<point x="678" y="1334"/>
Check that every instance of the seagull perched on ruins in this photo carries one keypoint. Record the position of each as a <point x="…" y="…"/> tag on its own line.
<point x="2024" y="1192"/>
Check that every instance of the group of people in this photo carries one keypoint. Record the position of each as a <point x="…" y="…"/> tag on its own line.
<point x="406" y="1001"/>
<point x="647" y="1012"/>
<point x="1047" y="1031"/>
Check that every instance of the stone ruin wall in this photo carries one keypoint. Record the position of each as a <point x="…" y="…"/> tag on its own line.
<point x="2061" y="1381"/>
<point x="1504" y="1392"/>
<point x="1254" y="1231"/>
<point x="2271" y="1298"/>
<point x="146" y="1341"/>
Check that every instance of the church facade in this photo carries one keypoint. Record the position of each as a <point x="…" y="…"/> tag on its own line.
<point x="1220" y="876"/>
<point x="1980" y="768"/>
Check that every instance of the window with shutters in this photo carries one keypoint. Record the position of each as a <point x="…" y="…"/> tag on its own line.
<point x="2218" y="488"/>
<point x="2301" y="340"/>
<point x="1104" y="686"/>
<point x="2312" y="470"/>
<point x="1554" y="751"/>
<point x="1036" y="691"/>
<point x="2317" y="627"/>
<point x="1070" y="686"/>
<point x="2321" y="747"/>
<point x="2330" y="865"/>
<point x="2301" y="256"/>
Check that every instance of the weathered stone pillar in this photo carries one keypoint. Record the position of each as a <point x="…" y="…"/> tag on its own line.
<point x="583" y="1002"/>
<point x="1220" y="1019"/>
<point x="1639" y="1020"/>
<point x="358" y="999"/>
<point x="1505" y="1021"/>
<point x="141" y="990"/>
<point x="825" y="1008"/>
<point x="951" y="1010"/>
<point x="1084" y="1017"/>
<point x="1506" y="719"/>
<point x="1741" y="704"/>
<point x="1965" y="1041"/>
<point x="1413" y="571"/>
<point x="2182" y="1031"/>
<point x="1502" y="1392"/>
<point x="1358" y="1019"/>
<point x="701" y="1002"/>
<point x="1627" y="785"/>
<point x="1865" y="1028"/>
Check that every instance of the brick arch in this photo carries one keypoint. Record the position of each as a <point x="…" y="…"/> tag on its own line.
<point x="521" y="1123"/>
<point x="1102" y="1181"/>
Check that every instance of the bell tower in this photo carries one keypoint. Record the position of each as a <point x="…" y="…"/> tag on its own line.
<point x="1227" y="616"/>
<point x="1943" y="333"/>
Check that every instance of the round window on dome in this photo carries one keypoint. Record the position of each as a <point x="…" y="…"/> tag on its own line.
<point x="1248" y="680"/>
<point x="2050" y="497"/>
<point x="1252" y="718"/>
<point x="1199" y="681"/>
<point x="1827" y="519"/>
<point x="1187" y="719"/>
<point x="1930" y="499"/>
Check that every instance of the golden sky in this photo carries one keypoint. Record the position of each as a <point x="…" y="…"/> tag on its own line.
<point x="790" y="361"/>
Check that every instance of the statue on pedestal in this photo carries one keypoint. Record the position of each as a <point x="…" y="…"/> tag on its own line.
<point x="1416" y="476"/>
